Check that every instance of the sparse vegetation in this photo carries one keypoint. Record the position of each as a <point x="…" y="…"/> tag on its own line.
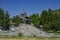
<point x="20" y="34"/>
<point x="34" y="35"/>
<point x="29" y="38"/>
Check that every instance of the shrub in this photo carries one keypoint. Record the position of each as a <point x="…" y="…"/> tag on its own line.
<point x="20" y="34"/>
<point x="34" y="35"/>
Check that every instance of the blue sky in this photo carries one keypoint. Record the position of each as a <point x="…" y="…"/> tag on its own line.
<point x="15" y="7"/>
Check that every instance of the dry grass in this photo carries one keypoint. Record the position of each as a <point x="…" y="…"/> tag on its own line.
<point x="29" y="38"/>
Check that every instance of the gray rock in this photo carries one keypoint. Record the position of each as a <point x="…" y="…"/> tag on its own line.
<point x="27" y="30"/>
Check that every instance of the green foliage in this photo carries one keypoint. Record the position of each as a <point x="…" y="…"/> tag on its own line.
<point x="44" y="17"/>
<point x="20" y="34"/>
<point x="4" y="18"/>
<point x="1" y="16"/>
<point x="35" y="19"/>
<point x="34" y="35"/>
<point x="16" y="20"/>
<point x="50" y="19"/>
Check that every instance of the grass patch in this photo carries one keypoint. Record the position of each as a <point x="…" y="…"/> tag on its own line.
<point x="28" y="38"/>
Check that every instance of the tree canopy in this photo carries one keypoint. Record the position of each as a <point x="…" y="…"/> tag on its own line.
<point x="50" y="19"/>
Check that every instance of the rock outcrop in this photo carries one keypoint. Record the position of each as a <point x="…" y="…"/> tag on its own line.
<point x="27" y="30"/>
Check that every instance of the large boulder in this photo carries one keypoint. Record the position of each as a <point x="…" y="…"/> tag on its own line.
<point x="29" y="30"/>
<point x="26" y="30"/>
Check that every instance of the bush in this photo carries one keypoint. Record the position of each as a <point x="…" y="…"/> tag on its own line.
<point x="20" y="34"/>
<point x="34" y="35"/>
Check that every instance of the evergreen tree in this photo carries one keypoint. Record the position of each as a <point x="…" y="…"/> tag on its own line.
<point x="35" y="19"/>
<point x="1" y="16"/>
<point x="6" y="20"/>
<point x="16" y="20"/>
